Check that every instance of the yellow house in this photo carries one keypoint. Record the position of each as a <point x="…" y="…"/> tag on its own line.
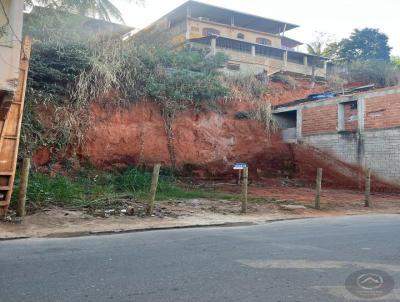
<point x="254" y="44"/>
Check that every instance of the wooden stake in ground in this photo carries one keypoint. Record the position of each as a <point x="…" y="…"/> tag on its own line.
<point x="23" y="186"/>
<point x="153" y="189"/>
<point x="318" y="189"/>
<point x="245" y="189"/>
<point x="367" y="187"/>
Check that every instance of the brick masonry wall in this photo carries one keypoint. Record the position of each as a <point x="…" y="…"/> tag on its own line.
<point x="382" y="111"/>
<point x="377" y="146"/>
<point x="321" y="119"/>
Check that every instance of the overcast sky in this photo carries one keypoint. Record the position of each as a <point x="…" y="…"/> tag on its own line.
<point x="335" y="17"/>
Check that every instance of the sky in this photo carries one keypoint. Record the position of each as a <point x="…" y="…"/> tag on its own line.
<point x="337" y="18"/>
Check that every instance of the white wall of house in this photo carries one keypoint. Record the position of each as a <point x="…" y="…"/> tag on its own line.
<point x="11" y="19"/>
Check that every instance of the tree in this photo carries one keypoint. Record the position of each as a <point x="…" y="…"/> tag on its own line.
<point x="395" y="60"/>
<point x="103" y="9"/>
<point x="331" y="50"/>
<point x="321" y="42"/>
<point x="317" y="48"/>
<point x="365" y="44"/>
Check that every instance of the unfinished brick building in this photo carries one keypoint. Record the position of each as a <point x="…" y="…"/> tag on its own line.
<point x="362" y="128"/>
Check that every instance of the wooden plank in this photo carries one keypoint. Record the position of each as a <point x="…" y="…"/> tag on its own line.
<point x="11" y="128"/>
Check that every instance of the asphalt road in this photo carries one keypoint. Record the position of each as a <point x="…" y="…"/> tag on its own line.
<point x="302" y="260"/>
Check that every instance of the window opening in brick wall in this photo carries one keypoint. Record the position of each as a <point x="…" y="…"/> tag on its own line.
<point x="348" y="116"/>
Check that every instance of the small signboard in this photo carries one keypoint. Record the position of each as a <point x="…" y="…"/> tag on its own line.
<point x="239" y="166"/>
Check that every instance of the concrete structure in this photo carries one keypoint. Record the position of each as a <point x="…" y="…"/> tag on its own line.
<point x="254" y="44"/>
<point x="11" y="19"/>
<point x="362" y="129"/>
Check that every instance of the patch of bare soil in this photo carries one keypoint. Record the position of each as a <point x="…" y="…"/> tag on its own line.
<point x="273" y="200"/>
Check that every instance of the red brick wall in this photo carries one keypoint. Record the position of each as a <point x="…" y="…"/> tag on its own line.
<point x="382" y="111"/>
<point x="321" y="119"/>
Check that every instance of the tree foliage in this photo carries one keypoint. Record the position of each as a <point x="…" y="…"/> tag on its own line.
<point x="365" y="44"/>
<point x="395" y="61"/>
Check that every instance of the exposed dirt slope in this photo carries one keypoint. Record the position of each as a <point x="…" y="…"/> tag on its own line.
<point x="208" y="143"/>
<point x="279" y="94"/>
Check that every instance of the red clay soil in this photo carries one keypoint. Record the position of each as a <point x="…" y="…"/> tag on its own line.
<point x="331" y="198"/>
<point x="279" y="94"/>
<point x="207" y="144"/>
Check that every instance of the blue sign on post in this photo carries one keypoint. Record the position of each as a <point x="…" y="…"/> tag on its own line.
<point x="239" y="166"/>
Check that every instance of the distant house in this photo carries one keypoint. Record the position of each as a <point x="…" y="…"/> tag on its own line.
<point x="11" y="17"/>
<point x="254" y="44"/>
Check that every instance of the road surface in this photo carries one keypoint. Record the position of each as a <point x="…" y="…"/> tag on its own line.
<point x="302" y="260"/>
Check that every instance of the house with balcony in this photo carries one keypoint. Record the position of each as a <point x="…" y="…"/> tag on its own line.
<point x="254" y="44"/>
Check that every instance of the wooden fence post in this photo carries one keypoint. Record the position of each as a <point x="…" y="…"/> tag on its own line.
<point x="153" y="189"/>
<point x="367" y="187"/>
<point x="318" y="189"/>
<point x="245" y="189"/>
<point x="23" y="186"/>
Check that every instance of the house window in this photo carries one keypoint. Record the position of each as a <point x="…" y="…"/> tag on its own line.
<point x="263" y="41"/>
<point x="233" y="66"/>
<point x="210" y="32"/>
<point x="240" y="36"/>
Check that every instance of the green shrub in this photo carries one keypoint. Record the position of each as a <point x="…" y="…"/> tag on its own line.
<point x="381" y="73"/>
<point x="54" y="68"/>
<point x="45" y="190"/>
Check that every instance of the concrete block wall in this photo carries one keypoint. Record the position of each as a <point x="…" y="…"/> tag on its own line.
<point x="378" y="149"/>
<point x="368" y="136"/>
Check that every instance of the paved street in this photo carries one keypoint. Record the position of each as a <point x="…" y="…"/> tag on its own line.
<point x="302" y="260"/>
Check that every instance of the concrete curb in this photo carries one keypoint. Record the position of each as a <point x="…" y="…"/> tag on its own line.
<point x="116" y="232"/>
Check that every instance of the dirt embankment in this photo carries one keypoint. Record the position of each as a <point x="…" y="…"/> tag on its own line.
<point x="279" y="94"/>
<point x="206" y="144"/>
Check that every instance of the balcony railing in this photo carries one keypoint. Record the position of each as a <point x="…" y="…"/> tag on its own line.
<point x="292" y="61"/>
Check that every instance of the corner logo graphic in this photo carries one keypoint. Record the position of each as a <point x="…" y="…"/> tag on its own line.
<point x="369" y="284"/>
